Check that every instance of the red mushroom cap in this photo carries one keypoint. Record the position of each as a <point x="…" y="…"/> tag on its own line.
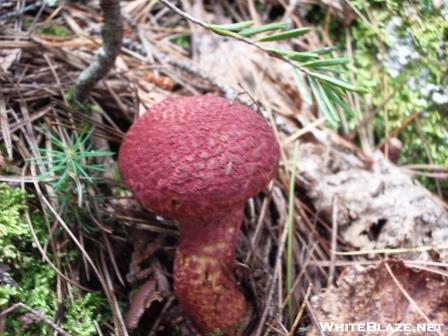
<point x="187" y="157"/>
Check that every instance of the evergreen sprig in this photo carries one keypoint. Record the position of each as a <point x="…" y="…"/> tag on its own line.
<point x="70" y="165"/>
<point x="322" y="71"/>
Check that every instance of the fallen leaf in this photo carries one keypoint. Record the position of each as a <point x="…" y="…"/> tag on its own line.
<point x="387" y="294"/>
<point x="141" y="300"/>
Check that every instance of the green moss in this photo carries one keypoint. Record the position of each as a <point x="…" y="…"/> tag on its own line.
<point x="26" y="22"/>
<point x="13" y="229"/>
<point x="54" y="30"/>
<point x="86" y="107"/>
<point x="80" y="314"/>
<point x="424" y="72"/>
<point x="48" y="29"/>
<point x="183" y="41"/>
<point x="33" y="281"/>
<point x="7" y="293"/>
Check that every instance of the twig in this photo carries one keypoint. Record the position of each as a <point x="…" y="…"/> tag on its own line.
<point x="334" y="242"/>
<point x="61" y="221"/>
<point x="21" y="11"/>
<point x="112" y="298"/>
<point x="278" y="261"/>
<point x="290" y="221"/>
<point x="183" y="14"/>
<point x="235" y="36"/>
<point x="44" y="254"/>
<point x="394" y="250"/>
<point x="112" y="33"/>
<point x="408" y="296"/>
<point x="300" y="312"/>
<point x="304" y="266"/>
<point x="230" y="93"/>
<point x="428" y="153"/>
<point x="35" y="313"/>
<point x="156" y="324"/>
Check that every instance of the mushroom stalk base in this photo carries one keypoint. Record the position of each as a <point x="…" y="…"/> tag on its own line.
<point x="204" y="272"/>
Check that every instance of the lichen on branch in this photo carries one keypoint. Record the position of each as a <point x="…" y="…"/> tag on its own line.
<point x="112" y="33"/>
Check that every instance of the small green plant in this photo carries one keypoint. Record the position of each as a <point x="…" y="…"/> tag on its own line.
<point x="47" y="29"/>
<point x="225" y="331"/>
<point x="427" y="6"/>
<point x="81" y="313"/>
<point x="70" y="165"/>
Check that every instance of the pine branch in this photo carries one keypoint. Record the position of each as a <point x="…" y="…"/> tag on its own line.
<point x="317" y="66"/>
<point x="228" y="33"/>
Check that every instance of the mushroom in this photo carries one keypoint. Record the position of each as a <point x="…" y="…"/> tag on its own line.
<point x="198" y="160"/>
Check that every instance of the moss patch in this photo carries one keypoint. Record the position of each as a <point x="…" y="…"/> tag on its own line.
<point x="403" y="48"/>
<point x="29" y="280"/>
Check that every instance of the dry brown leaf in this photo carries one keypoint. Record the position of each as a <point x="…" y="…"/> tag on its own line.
<point x="373" y="295"/>
<point x="143" y="252"/>
<point x="140" y="301"/>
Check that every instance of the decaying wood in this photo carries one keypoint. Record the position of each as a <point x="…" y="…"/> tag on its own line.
<point x="379" y="205"/>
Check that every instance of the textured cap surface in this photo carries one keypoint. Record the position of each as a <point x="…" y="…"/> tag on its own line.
<point x="193" y="155"/>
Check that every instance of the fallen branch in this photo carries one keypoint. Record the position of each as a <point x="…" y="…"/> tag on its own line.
<point x="112" y="33"/>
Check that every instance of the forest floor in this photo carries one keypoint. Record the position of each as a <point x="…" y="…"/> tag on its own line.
<point x="352" y="230"/>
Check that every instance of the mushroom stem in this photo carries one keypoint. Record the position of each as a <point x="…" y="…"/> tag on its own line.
<point x="204" y="271"/>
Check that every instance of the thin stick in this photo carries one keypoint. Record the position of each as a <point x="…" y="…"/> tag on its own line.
<point x="260" y="221"/>
<point x="297" y="134"/>
<point x="394" y="251"/>
<point x="300" y="312"/>
<point x="278" y="260"/>
<point x="408" y="297"/>
<point x="35" y="313"/>
<point x="290" y="223"/>
<point x="21" y="11"/>
<point x="70" y="234"/>
<point x="334" y="242"/>
<point x="302" y="272"/>
<point x="235" y="36"/>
